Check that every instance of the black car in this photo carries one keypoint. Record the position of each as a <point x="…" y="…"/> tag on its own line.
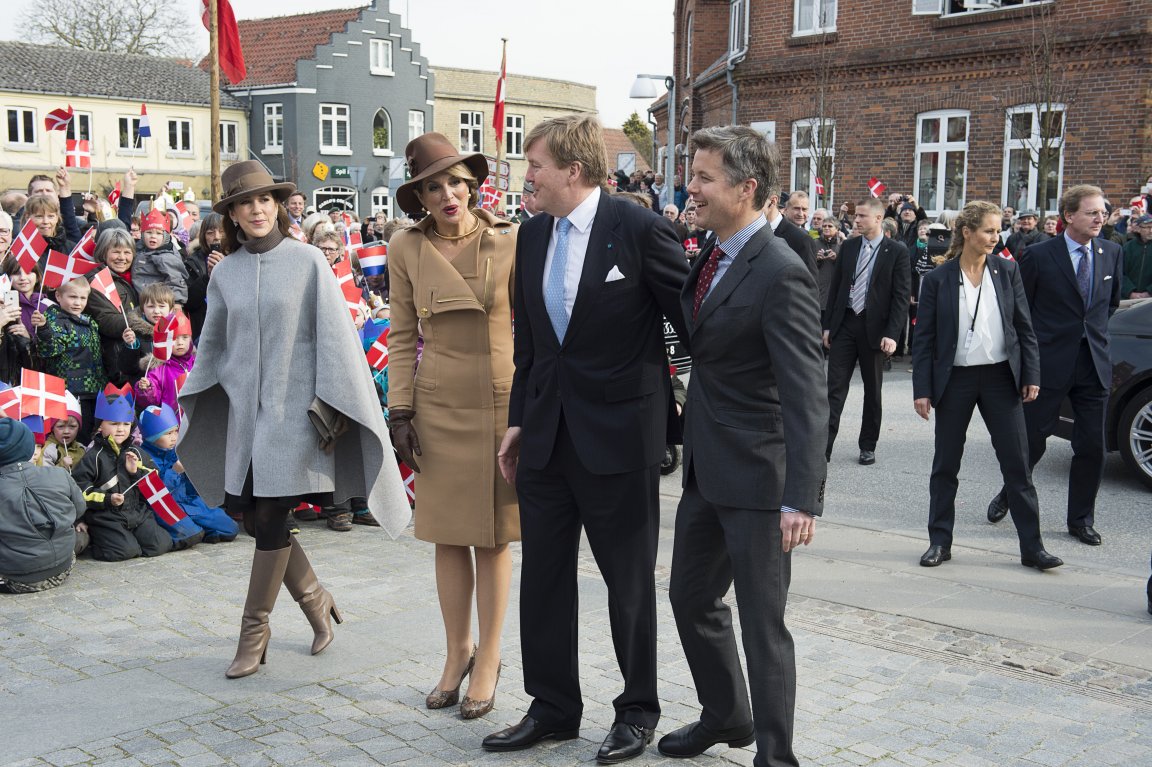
<point x="1128" y="421"/>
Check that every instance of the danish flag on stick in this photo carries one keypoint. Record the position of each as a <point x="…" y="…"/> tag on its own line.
<point x="103" y="284"/>
<point x="114" y="196"/>
<point x="58" y="119"/>
<point x="86" y="248"/>
<point x="875" y="187"/>
<point x="9" y="401"/>
<point x="1006" y="254"/>
<point x="378" y="352"/>
<point x="77" y="154"/>
<point x="409" y="478"/>
<point x="28" y="246"/>
<point x="161" y="501"/>
<point x="59" y="268"/>
<point x="343" y="271"/>
<point x="42" y="395"/>
<point x="819" y="185"/>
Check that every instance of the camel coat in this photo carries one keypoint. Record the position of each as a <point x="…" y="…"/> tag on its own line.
<point x="278" y="334"/>
<point x="460" y="391"/>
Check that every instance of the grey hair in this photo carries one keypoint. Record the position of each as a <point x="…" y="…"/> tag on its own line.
<point x="113" y="237"/>
<point x="745" y="154"/>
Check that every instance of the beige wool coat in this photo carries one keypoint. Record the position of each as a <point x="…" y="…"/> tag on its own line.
<point x="460" y="391"/>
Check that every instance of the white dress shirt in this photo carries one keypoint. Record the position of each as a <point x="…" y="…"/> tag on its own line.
<point x="988" y="346"/>
<point x="582" y="218"/>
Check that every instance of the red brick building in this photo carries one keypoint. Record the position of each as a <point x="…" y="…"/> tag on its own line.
<point x="952" y="100"/>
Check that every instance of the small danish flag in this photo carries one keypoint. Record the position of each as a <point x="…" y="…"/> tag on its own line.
<point x="59" y="268"/>
<point x="58" y="119"/>
<point x="819" y="185"/>
<point x="114" y="196"/>
<point x="1006" y="254"/>
<point x="42" y="395"/>
<point x="86" y="248"/>
<point x="185" y="217"/>
<point x="161" y="501"/>
<point x="10" y="401"/>
<point x="378" y="352"/>
<point x="77" y="154"/>
<point x="875" y="187"/>
<point x="28" y="246"/>
<point x="409" y="478"/>
<point x="104" y="285"/>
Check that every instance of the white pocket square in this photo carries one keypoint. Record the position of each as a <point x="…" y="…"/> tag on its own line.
<point x="1108" y="278"/>
<point x="614" y="275"/>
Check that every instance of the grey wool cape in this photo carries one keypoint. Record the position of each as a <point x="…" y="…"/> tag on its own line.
<point x="277" y="334"/>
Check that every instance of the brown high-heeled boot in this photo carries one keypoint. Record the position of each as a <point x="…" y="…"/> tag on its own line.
<point x="314" y="599"/>
<point x="263" y="586"/>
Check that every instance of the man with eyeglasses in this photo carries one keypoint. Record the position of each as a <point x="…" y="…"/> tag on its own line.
<point x="1073" y="285"/>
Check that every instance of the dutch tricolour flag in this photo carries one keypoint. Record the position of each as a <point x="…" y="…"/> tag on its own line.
<point x="373" y="260"/>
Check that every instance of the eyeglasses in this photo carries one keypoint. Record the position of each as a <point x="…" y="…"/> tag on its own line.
<point x="330" y="249"/>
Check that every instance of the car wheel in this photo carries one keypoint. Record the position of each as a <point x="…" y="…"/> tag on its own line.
<point x="1134" y="436"/>
<point x="671" y="460"/>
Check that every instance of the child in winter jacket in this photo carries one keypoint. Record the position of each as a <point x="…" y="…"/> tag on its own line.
<point x="61" y="446"/>
<point x="69" y="344"/>
<point x="171" y="359"/>
<point x="120" y="522"/>
<point x="158" y="426"/>
<point x="157" y="258"/>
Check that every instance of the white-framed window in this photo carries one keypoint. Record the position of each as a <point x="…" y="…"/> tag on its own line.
<point x="471" y="131"/>
<point x="813" y="156"/>
<point x="80" y="129"/>
<point x="736" y="26"/>
<point x="21" y="127"/>
<point x="415" y="123"/>
<point x="380" y="57"/>
<point x="229" y="140"/>
<point x="926" y="7"/>
<point x="382" y="132"/>
<point x="1034" y="140"/>
<point x="381" y="201"/>
<point x="941" y="160"/>
<point x="514" y="135"/>
<point x="812" y="17"/>
<point x="511" y="203"/>
<point x="273" y="128"/>
<point x="128" y="129"/>
<point x="180" y="135"/>
<point x="957" y="7"/>
<point x="688" y="45"/>
<point x="334" y="128"/>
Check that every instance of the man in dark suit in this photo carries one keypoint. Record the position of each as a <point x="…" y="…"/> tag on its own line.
<point x="1073" y="288"/>
<point x="753" y="469"/>
<point x="798" y="239"/>
<point x="589" y="419"/>
<point x="867" y="308"/>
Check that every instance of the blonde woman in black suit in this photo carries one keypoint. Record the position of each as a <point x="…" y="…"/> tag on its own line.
<point x="975" y="347"/>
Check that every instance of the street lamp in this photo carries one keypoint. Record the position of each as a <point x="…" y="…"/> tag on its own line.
<point x="645" y="88"/>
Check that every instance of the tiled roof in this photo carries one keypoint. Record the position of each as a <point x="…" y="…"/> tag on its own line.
<point x="616" y="142"/>
<point x="134" y="77"/>
<point x="272" y="46"/>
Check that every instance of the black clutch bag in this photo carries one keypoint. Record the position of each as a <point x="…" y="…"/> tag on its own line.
<point x="328" y="422"/>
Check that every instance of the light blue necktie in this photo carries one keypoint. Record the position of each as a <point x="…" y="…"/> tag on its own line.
<point x="554" y="288"/>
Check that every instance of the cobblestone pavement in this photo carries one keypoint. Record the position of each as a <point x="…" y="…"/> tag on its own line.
<point x="124" y="666"/>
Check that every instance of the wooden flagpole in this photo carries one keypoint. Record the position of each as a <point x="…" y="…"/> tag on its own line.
<point x="214" y="94"/>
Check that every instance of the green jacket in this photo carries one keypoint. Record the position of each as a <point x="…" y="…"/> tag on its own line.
<point x="70" y="348"/>
<point x="1137" y="267"/>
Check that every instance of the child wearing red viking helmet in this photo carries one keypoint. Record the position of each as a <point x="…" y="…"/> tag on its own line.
<point x="162" y="376"/>
<point x="157" y="258"/>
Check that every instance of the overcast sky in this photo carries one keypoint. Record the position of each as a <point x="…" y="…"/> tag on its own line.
<point x="604" y="43"/>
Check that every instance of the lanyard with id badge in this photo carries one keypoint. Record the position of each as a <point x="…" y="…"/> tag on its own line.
<point x="971" y="334"/>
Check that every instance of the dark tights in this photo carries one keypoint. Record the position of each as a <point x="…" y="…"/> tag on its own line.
<point x="265" y="519"/>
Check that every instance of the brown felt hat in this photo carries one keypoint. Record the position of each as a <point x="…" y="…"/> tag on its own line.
<point x="428" y="155"/>
<point x="247" y="178"/>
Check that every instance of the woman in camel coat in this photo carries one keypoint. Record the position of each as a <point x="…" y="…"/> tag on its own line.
<point x="451" y="283"/>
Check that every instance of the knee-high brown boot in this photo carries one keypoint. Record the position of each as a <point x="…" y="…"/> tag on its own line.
<point x="263" y="585"/>
<point x="314" y="599"/>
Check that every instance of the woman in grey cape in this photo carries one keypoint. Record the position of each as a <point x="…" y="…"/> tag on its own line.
<point x="278" y="337"/>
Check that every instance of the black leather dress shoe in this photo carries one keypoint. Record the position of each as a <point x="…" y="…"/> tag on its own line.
<point x="867" y="457"/>
<point x="997" y="510"/>
<point x="1086" y="534"/>
<point x="624" y="741"/>
<point x="694" y="739"/>
<point x="1041" y="560"/>
<point x="934" y="556"/>
<point x="526" y="734"/>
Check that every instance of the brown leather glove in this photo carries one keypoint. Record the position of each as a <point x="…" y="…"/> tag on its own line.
<point x="404" y="438"/>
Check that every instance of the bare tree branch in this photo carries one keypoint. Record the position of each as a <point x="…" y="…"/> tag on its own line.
<point x="150" y="27"/>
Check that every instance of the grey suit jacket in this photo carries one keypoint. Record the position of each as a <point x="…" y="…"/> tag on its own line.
<point x="756" y="418"/>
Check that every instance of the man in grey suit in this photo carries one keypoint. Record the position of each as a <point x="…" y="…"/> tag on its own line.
<point x="754" y="463"/>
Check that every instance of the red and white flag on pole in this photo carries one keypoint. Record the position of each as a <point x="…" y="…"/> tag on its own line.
<point x="103" y="284"/>
<point x="58" y="119"/>
<point x="501" y="90"/>
<point x="28" y="246"/>
<point x="114" y="196"/>
<point x="86" y="248"/>
<point x="378" y="352"/>
<point x="42" y="395"/>
<point x="186" y="220"/>
<point x="409" y="478"/>
<point x="161" y="501"/>
<point x="77" y="154"/>
<point x="875" y="187"/>
<point x="228" y="35"/>
<point x="353" y="241"/>
<point x="164" y="337"/>
<point x="10" y="401"/>
<point x="819" y="185"/>
<point x="352" y="297"/>
<point x="1006" y="254"/>
<point x="59" y="268"/>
